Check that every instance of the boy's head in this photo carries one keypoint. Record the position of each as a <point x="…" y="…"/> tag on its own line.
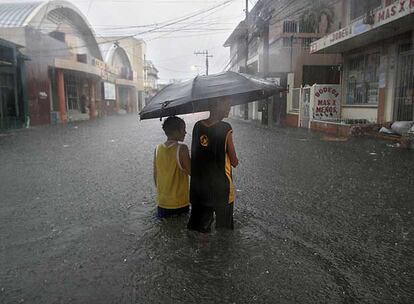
<point x="174" y="128"/>
<point x="220" y="108"/>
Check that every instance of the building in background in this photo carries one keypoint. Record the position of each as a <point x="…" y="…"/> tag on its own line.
<point x="377" y="43"/>
<point x="278" y="35"/>
<point x="150" y="80"/>
<point x="135" y="49"/>
<point x="119" y="92"/>
<point x="64" y="72"/>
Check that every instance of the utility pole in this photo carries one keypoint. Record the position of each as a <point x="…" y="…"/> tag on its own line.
<point x="246" y="21"/>
<point x="207" y="56"/>
<point x="247" y="34"/>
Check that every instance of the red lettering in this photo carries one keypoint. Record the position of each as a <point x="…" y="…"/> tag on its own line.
<point x="411" y="3"/>
<point x="387" y="14"/>
<point x="402" y="6"/>
<point x="393" y="10"/>
<point x="381" y="15"/>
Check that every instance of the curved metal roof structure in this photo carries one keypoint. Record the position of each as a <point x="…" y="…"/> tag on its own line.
<point x="16" y="14"/>
<point x="33" y="14"/>
<point x="110" y="50"/>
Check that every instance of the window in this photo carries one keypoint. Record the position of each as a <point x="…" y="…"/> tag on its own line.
<point x="290" y="27"/>
<point x="362" y="79"/>
<point x="360" y="8"/>
<point x="58" y="35"/>
<point x="71" y="90"/>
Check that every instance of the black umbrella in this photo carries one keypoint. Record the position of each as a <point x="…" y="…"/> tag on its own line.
<point x="193" y="95"/>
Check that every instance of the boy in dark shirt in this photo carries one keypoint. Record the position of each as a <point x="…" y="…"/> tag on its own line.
<point x="212" y="157"/>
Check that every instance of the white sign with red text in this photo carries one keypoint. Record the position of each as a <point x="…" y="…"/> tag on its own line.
<point x="326" y="102"/>
<point x="383" y="16"/>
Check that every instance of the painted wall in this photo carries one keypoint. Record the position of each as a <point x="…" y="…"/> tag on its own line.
<point x="42" y="50"/>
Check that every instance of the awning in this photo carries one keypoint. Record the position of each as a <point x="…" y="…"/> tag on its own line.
<point x="387" y="22"/>
<point x="72" y="65"/>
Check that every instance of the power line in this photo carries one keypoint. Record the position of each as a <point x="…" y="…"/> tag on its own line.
<point x="176" y="21"/>
<point x="293" y="12"/>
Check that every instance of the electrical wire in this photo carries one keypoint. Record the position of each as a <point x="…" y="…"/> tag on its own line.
<point x="176" y="21"/>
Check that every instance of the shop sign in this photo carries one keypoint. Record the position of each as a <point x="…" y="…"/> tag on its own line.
<point x="109" y="91"/>
<point x="326" y="102"/>
<point x="106" y="69"/>
<point x="331" y="39"/>
<point x="388" y="14"/>
<point x="395" y="11"/>
<point x="341" y="34"/>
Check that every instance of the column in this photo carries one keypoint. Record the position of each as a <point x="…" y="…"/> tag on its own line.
<point x="129" y="101"/>
<point x="60" y="83"/>
<point x="92" y="99"/>
<point x="117" y="96"/>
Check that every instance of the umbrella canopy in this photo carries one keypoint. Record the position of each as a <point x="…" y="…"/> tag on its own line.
<point x="193" y="95"/>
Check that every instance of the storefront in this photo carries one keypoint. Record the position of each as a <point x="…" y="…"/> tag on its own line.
<point x="13" y="101"/>
<point x="63" y="84"/>
<point x="120" y="78"/>
<point x="377" y="75"/>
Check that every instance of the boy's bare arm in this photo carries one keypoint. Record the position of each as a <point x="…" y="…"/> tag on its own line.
<point x="231" y="150"/>
<point x="155" y="168"/>
<point x="185" y="160"/>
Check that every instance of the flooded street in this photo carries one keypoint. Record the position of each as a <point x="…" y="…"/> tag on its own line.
<point x="315" y="221"/>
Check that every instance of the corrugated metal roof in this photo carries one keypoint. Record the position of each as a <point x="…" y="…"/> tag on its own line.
<point x="15" y="14"/>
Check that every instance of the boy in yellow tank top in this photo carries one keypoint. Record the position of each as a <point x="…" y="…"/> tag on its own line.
<point x="171" y="170"/>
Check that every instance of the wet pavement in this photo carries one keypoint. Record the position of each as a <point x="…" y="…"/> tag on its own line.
<point x="316" y="221"/>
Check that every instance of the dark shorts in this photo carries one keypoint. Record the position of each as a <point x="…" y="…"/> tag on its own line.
<point x="163" y="212"/>
<point x="202" y="217"/>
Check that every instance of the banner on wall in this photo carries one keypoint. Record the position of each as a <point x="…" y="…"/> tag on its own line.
<point x="326" y="102"/>
<point x="109" y="91"/>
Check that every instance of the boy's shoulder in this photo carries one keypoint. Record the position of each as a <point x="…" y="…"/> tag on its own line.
<point x="225" y="125"/>
<point x="182" y="145"/>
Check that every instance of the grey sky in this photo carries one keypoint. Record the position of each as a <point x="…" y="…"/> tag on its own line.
<point x="171" y="51"/>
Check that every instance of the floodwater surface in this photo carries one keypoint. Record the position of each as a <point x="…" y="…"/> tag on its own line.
<point x="315" y="221"/>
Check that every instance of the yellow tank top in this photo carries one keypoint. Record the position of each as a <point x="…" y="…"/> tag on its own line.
<point x="172" y="182"/>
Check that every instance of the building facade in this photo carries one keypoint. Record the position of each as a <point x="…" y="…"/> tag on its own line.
<point x="119" y="92"/>
<point x="135" y="49"/>
<point x="150" y="80"/>
<point x="377" y="45"/>
<point x="278" y="35"/>
<point x="70" y="75"/>
<point x="63" y="75"/>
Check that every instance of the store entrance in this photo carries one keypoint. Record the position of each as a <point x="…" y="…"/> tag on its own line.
<point x="9" y="108"/>
<point x="404" y="99"/>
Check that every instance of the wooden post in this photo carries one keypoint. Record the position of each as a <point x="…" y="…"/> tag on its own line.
<point x="117" y="96"/>
<point x="60" y="82"/>
<point x="92" y="99"/>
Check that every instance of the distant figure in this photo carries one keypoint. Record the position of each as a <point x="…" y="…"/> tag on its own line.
<point x="171" y="170"/>
<point x="212" y="157"/>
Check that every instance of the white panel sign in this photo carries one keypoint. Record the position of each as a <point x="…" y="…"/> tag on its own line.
<point x="326" y="102"/>
<point x="109" y="91"/>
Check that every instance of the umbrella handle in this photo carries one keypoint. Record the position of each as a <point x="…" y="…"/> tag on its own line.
<point x="164" y="104"/>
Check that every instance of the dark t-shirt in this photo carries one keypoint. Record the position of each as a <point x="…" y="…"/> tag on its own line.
<point x="209" y="184"/>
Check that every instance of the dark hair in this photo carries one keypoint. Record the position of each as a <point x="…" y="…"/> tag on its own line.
<point x="172" y="124"/>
